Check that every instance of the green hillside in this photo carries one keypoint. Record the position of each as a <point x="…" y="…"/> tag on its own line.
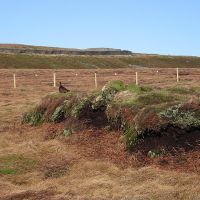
<point x="83" y="62"/>
<point x="26" y="56"/>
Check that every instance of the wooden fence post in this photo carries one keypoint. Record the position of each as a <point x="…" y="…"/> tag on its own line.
<point x="136" y="78"/>
<point x="54" y="79"/>
<point x="14" y="80"/>
<point x="95" y="80"/>
<point x="177" y="75"/>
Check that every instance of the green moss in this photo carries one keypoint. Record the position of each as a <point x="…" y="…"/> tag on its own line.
<point x="116" y="84"/>
<point x="57" y="95"/>
<point x="181" y="90"/>
<point x="138" y="89"/>
<point x="129" y="102"/>
<point x="139" y="98"/>
<point x="8" y="171"/>
<point x="156" y="98"/>
<point x="124" y="98"/>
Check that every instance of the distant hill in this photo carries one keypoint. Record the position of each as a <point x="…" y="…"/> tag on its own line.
<point x="28" y="49"/>
<point x="38" y="57"/>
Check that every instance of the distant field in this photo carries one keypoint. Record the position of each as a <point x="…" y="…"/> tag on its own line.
<point x="21" y="61"/>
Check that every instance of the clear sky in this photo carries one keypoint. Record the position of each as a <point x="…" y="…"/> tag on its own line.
<point x="146" y="26"/>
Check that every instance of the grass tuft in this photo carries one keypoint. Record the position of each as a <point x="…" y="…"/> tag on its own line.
<point x="16" y="164"/>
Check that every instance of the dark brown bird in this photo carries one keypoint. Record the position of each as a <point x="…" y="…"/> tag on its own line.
<point x="62" y="89"/>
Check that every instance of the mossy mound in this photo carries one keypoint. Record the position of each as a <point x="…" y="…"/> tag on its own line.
<point x="55" y="107"/>
<point x="139" y="111"/>
<point x="58" y="107"/>
<point x="151" y="114"/>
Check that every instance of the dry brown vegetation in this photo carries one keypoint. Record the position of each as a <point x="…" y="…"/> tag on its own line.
<point x="40" y="163"/>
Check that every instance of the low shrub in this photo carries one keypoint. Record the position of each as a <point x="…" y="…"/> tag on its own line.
<point x="131" y="137"/>
<point x="156" y="153"/>
<point x="59" y="114"/>
<point x="180" y="118"/>
<point x="67" y="133"/>
<point x="81" y="108"/>
<point x="34" y="117"/>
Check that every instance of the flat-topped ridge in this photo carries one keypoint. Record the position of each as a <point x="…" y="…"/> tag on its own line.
<point x="28" y="49"/>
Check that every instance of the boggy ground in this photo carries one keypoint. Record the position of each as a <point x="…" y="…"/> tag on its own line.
<point x="40" y="163"/>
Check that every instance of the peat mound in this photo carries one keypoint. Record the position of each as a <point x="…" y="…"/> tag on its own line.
<point x="152" y="121"/>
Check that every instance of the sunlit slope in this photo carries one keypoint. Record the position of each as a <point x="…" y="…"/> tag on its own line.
<point x="24" y="56"/>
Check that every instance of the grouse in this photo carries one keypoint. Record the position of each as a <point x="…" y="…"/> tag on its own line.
<point x="62" y="89"/>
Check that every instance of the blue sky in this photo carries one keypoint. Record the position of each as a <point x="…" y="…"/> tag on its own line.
<point x="147" y="26"/>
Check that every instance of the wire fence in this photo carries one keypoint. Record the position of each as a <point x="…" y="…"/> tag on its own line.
<point x="92" y="79"/>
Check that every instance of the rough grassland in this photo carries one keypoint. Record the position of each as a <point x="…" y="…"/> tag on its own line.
<point x="8" y="61"/>
<point x="75" y="167"/>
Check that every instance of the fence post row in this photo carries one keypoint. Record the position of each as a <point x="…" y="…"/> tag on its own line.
<point x="54" y="79"/>
<point x="95" y="78"/>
